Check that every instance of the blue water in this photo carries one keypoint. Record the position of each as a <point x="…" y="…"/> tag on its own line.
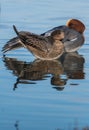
<point x="29" y="95"/>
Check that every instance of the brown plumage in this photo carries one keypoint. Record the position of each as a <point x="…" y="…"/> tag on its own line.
<point x="44" y="48"/>
<point x="76" y="25"/>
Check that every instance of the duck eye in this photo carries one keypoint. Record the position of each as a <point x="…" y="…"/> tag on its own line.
<point x="61" y="39"/>
<point x="70" y="24"/>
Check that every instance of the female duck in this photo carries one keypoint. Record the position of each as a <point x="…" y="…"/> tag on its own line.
<point x="44" y="48"/>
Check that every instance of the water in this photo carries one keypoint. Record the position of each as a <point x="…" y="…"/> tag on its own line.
<point x="37" y="95"/>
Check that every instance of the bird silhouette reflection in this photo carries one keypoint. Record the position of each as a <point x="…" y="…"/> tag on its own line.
<point x="70" y="64"/>
<point x="73" y="65"/>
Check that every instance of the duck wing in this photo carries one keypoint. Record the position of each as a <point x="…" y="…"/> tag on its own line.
<point x="32" y="40"/>
<point x="12" y="44"/>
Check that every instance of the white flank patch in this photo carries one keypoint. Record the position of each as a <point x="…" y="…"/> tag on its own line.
<point x="74" y="39"/>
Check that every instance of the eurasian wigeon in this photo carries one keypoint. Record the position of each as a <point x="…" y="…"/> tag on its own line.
<point x="73" y="36"/>
<point x="44" y="48"/>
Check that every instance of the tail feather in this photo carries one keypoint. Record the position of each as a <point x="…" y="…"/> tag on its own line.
<point x="21" y="35"/>
<point x="15" y="29"/>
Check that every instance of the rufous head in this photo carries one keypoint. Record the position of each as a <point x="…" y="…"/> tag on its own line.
<point x="76" y="25"/>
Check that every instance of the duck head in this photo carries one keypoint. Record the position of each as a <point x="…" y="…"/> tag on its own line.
<point x="57" y="35"/>
<point x="76" y="25"/>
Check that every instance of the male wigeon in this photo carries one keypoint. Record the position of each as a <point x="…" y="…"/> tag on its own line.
<point x="73" y="34"/>
<point x="72" y="41"/>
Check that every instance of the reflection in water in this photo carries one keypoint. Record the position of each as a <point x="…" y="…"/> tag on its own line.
<point x="75" y="127"/>
<point x="36" y="70"/>
<point x="73" y="65"/>
<point x="70" y="65"/>
<point x="16" y="125"/>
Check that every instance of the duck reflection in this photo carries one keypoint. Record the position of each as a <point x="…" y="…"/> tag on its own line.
<point x="16" y="125"/>
<point x="73" y="64"/>
<point x="70" y="65"/>
<point x="29" y="73"/>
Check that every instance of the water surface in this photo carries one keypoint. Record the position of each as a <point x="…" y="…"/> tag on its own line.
<point x="40" y="95"/>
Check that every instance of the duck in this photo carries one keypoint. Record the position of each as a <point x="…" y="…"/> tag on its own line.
<point x="73" y="36"/>
<point x="44" y="48"/>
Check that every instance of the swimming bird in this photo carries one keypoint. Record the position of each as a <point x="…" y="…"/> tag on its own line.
<point x="73" y="36"/>
<point x="44" y="48"/>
